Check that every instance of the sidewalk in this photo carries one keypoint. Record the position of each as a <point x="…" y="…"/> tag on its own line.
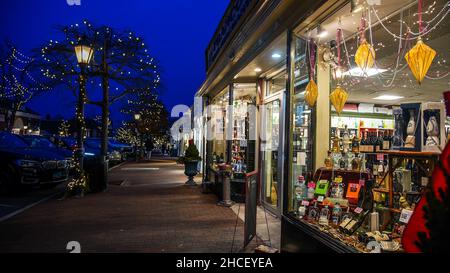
<point x="145" y="209"/>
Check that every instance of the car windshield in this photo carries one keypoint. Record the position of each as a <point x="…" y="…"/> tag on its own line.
<point x="10" y="140"/>
<point x="69" y="141"/>
<point x="39" y="142"/>
<point x="93" y="143"/>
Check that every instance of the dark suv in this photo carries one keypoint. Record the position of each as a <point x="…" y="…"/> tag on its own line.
<point x="22" y="165"/>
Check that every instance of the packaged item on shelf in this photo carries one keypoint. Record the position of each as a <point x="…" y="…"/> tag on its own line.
<point x="311" y="190"/>
<point x="322" y="188"/>
<point x="324" y="216"/>
<point x="433" y="136"/>
<point x="353" y="193"/>
<point x="412" y="117"/>
<point x="336" y="214"/>
<point x="313" y="212"/>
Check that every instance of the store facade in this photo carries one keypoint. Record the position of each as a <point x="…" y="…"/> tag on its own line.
<point x="346" y="138"/>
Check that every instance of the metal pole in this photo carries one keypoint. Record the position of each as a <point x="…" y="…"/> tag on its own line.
<point x="80" y="116"/>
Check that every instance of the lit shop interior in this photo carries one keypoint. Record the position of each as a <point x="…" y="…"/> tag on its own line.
<point x="351" y="121"/>
<point x="375" y="87"/>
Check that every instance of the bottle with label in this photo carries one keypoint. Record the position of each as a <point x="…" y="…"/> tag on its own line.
<point x="350" y="226"/>
<point x="311" y="190"/>
<point x="313" y="213"/>
<point x="336" y="214"/>
<point x="302" y="210"/>
<point x="324" y="216"/>
<point x="386" y="142"/>
<point x="300" y="188"/>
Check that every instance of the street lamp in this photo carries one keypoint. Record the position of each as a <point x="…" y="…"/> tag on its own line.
<point x="137" y="118"/>
<point x="84" y="55"/>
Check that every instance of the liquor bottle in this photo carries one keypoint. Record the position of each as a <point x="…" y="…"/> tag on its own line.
<point x="354" y="223"/>
<point x="324" y="216"/>
<point x="386" y="142"/>
<point x="300" y="188"/>
<point x="346" y="215"/>
<point x="336" y="214"/>
<point x="355" y="145"/>
<point x="311" y="190"/>
<point x="313" y="213"/>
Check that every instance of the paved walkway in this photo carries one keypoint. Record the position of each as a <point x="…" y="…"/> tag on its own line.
<point x="146" y="209"/>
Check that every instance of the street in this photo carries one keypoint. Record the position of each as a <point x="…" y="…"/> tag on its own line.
<point x="147" y="208"/>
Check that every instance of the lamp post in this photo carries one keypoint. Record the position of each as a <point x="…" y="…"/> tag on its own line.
<point x="137" y="118"/>
<point x="84" y="55"/>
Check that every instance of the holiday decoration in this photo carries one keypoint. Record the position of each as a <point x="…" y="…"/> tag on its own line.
<point x="312" y="93"/>
<point x="338" y="98"/>
<point x="365" y="56"/>
<point x="419" y="59"/>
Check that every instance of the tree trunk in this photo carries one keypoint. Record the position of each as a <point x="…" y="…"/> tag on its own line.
<point x="105" y="118"/>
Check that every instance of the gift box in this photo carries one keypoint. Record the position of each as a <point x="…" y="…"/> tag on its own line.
<point x="433" y="133"/>
<point x="322" y="188"/>
<point x="352" y="195"/>
<point x="412" y="127"/>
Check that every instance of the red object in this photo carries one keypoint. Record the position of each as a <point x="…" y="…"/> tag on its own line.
<point x="191" y="142"/>
<point x="417" y="222"/>
<point x="447" y="102"/>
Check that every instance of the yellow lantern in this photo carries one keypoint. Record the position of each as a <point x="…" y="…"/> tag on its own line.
<point x="338" y="98"/>
<point x="419" y="59"/>
<point x="311" y="93"/>
<point x="365" y="56"/>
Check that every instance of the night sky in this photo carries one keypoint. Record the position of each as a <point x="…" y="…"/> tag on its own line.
<point x="177" y="33"/>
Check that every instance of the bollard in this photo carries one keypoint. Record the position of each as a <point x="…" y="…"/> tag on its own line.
<point x="226" y="189"/>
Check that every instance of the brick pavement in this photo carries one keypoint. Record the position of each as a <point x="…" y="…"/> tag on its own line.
<point x="152" y="211"/>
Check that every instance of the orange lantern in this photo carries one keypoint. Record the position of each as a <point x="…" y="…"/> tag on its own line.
<point x="338" y="98"/>
<point x="312" y="92"/>
<point x="419" y="59"/>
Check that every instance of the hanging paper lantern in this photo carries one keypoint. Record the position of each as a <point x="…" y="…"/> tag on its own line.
<point x="338" y="98"/>
<point x="365" y="56"/>
<point x="419" y="59"/>
<point x="311" y="94"/>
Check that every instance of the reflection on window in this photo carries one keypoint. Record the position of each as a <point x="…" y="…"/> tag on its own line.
<point x="302" y="134"/>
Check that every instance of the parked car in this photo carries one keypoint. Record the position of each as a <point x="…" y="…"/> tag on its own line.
<point x="126" y="150"/>
<point x="41" y="142"/>
<point x="114" y="154"/>
<point x="22" y="165"/>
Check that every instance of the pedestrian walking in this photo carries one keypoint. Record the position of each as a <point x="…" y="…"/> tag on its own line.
<point x="149" y="147"/>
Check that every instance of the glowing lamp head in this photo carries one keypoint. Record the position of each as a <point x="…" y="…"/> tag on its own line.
<point x="84" y="54"/>
<point x="137" y="116"/>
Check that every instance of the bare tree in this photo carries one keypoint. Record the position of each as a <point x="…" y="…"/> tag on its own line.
<point x="18" y="84"/>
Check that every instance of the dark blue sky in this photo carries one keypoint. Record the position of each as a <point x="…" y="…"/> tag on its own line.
<point x="176" y="32"/>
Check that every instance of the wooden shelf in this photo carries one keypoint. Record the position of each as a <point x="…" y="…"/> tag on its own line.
<point x="404" y="153"/>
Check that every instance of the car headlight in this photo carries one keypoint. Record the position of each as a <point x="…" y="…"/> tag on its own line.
<point x="27" y="163"/>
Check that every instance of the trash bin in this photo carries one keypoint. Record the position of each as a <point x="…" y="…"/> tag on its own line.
<point x="97" y="173"/>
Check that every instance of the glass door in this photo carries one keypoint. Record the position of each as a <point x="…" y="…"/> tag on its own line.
<point x="271" y="154"/>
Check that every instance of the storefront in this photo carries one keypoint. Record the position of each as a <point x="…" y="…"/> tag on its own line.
<point x="347" y="136"/>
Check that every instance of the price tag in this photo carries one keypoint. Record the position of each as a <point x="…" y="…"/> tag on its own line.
<point x="362" y="182"/>
<point x="320" y="199"/>
<point x="358" y="210"/>
<point x="305" y="203"/>
<point x="405" y="215"/>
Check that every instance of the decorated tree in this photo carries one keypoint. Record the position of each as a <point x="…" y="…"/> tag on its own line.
<point x="64" y="129"/>
<point x="121" y="64"/>
<point x="18" y="81"/>
<point x="154" y="117"/>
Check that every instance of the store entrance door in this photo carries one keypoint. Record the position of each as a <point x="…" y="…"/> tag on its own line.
<point x="271" y="149"/>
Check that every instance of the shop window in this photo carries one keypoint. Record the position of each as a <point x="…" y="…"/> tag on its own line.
<point x="302" y="136"/>
<point x="243" y="147"/>
<point x="218" y="125"/>
<point x="277" y="83"/>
